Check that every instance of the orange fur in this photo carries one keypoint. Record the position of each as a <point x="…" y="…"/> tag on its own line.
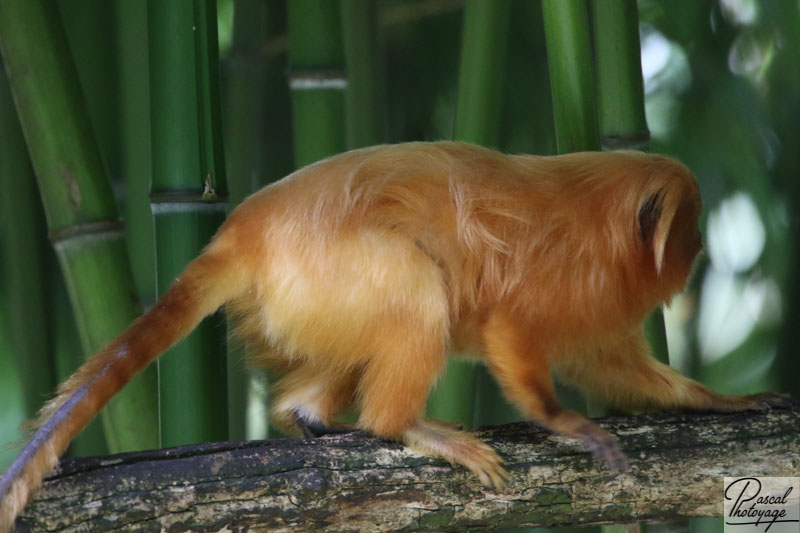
<point x="355" y="275"/>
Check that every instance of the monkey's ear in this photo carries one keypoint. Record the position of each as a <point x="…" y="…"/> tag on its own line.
<point x="655" y="220"/>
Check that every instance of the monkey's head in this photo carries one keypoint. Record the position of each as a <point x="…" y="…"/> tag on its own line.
<point x="667" y="223"/>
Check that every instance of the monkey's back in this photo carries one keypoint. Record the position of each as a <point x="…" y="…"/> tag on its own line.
<point x="425" y="234"/>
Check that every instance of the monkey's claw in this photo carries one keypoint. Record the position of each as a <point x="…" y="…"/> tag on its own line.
<point x="313" y="429"/>
<point x="767" y="400"/>
<point x="604" y="448"/>
<point x="434" y="438"/>
<point x="487" y="465"/>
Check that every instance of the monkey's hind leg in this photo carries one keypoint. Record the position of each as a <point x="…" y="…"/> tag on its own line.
<point x="309" y="397"/>
<point x="393" y="393"/>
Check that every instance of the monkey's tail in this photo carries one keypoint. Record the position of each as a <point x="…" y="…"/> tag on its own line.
<point x="208" y="282"/>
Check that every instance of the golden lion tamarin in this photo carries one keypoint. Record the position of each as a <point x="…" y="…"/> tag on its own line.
<point x="356" y="274"/>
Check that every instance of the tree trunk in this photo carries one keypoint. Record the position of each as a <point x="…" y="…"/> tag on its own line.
<point x="357" y="483"/>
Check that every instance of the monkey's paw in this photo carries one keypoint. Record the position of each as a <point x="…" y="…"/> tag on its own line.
<point x="603" y="447"/>
<point x="437" y="439"/>
<point x="763" y="401"/>
<point x="313" y="429"/>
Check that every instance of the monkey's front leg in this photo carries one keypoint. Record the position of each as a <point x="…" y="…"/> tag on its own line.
<point x="520" y="365"/>
<point x="623" y="374"/>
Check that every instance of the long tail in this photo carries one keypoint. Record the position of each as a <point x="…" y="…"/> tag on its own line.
<point x="208" y="282"/>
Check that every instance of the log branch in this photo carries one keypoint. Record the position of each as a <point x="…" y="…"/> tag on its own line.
<point x="358" y="483"/>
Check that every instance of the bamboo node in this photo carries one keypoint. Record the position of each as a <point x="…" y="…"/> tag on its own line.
<point x="317" y="79"/>
<point x="631" y="141"/>
<point x="206" y="201"/>
<point x="88" y="233"/>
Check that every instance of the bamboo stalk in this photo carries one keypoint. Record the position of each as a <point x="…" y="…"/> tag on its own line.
<point x="364" y="110"/>
<point x="43" y="337"/>
<point x="68" y="356"/>
<point x="278" y="148"/>
<point x="477" y="120"/>
<point x="24" y="264"/>
<point x="620" y="97"/>
<point x="620" y="90"/>
<point x="569" y="57"/>
<point x="784" y="83"/>
<point x="38" y="315"/>
<point x="244" y="84"/>
<point x="79" y="206"/>
<point x="134" y="126"/>
<point x="38" y="306"/>
<point x="188" y="203"/>
<point x="11" y="395"/>
<point x="316" y="79"/>
<point x="480" y="82"/>
<point x="244" y="87"/>
<point x="258" y="151"/>
<point x="89" y="27"/>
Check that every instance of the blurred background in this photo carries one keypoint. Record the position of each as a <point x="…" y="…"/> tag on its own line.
<point x="721" y="83"/>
